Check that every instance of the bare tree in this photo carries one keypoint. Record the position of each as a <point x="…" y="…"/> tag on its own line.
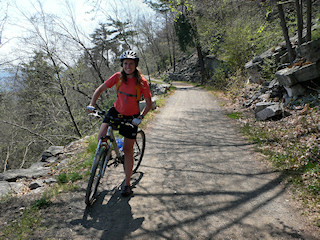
<point x="309" y="19"/>
<point x="285" y="32"/>
<point x="44" y="37"/>
<point x="299" y="20"/>
<point x="3" y="19"/>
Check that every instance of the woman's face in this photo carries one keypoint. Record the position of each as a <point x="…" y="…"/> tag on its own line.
<point x="129" y="66"/>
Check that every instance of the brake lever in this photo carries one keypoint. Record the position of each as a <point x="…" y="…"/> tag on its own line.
<point x="95" y="114"/>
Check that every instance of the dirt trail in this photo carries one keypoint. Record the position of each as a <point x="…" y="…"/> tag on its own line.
<point x="199" y="179"/>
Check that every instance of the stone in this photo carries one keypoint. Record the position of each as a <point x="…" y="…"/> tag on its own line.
<point x="142" y="104"/>
<point x="269" y="112"/>
<point x="63" y="163"/>
<point x="4" y="188"/>
<point x="52" y="151"/>
<point x="254" y="69"/>
<point x="273" y="84"/>
<point x="264" y="97"/>
<point x="38" y="165"/>
<point x="52" y="159"/>
<point x="16" y="187"/>
<point x="10" y="187"/>
<point x="291" y="76"/>
<point x="296" y="90"/>
<point x="310" y="50"/>
<point x="50" y="180"/>
<point x="35" y="184"/>
<point x="262" y="105"/>
<point x="14" y="174"/>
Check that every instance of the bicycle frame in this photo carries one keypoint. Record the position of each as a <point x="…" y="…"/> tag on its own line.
<point x="113" y="144"/>
<point x="108" y="154"/>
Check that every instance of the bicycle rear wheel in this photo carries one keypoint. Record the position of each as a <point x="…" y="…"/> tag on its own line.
<point x="95" y="176"/>
<point x="138" y="150"/>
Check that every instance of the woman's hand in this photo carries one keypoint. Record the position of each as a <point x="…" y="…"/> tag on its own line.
<point x="136" y="121"/>
<point x="90" y="108"/>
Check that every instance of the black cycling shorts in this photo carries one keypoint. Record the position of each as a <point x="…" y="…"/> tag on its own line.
<point x="125" y="130"/>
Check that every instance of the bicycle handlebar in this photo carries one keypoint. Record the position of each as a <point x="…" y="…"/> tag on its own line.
<point x="112" y="120"/>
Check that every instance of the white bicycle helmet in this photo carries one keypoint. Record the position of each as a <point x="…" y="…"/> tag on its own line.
<point x="129" y="55"/>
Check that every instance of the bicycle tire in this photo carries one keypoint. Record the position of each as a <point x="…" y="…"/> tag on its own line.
<point x="95" y="176"/>
<point x="138" y="150"/>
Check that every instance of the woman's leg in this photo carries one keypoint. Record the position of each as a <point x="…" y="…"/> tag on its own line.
<point x="128" y="159"/>
<point x="103" y="130"/>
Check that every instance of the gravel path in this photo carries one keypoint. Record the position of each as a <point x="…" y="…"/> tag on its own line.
<point x="199" y="179"/>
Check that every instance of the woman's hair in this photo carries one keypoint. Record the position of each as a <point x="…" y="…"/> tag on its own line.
<point x="137" y="74"/>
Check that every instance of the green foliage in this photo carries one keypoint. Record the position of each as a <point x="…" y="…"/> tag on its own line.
<point x="66" y="177"/>
<point x="234" y="115"/>
<point x="237" y="44"/>
<point x="74" y="176"/>
<point x="41" y="203"/>
<point x="24" y="227"/>
<point x="219" y="79"/>
<point x="184" y="32"/>
<point x="92" y="144"/>
<point x="62" y="178"/>
<point x="316" y="33"/>
<point x="298" y="161"/>
<point x="235" y="82"/>
<point x="268" y="69"/>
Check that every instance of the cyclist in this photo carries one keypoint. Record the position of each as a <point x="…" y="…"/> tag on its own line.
<point x="132" y="83"/>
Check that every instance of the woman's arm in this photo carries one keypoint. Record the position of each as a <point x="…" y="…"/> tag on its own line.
<point x="147" y="107"/>
<point x="103" y="87"/>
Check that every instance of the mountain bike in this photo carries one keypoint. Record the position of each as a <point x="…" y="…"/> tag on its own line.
<point x="109" y="154"/>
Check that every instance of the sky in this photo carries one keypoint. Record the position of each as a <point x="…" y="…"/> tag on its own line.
<point x="86" y="17"/>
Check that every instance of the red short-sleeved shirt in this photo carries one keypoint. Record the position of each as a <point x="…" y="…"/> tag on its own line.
<point x="128" y="105"/>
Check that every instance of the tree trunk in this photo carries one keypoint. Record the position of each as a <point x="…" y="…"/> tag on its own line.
<point x="309" y="19"/>
<point x="77" y="130"/>
<point x="299" y="21"/>
<point x="285" y="33"/>
<point x="174" y="55"/>
<point x="199" y="50"/>
<point x="201" y="63"/>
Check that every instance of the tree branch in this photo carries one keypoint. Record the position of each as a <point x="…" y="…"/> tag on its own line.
<point x="28" y="130"/>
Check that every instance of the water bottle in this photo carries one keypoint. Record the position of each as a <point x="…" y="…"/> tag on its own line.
<point x="119" y="143"/>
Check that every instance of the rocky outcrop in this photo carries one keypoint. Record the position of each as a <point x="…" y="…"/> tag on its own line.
<point x="296" y="78"/>
<point x="41" y="174"/>
<point x="188" y="68"/>
<point x="300" y="80"/>
<point x="159" y="89"/>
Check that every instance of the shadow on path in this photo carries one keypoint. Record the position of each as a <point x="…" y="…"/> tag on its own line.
<point x="115" y="217"/>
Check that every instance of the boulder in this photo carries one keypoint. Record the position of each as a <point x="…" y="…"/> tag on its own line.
<point x="254" y="66"/>
<point x="262" y="105"/>
<point x="310" y="50"/>
<point x="50" y="181"/>
<point x="14" y="174"/>
<point x="254" y="69"/>
<point x="270" y="112"/>
<point x="10" y="187"/>
<point x="212" y="63"/>
<point x="4" y="188"/>
<point x="291" y="76"/>
<point x="296" y="91"/>
<point x="142" y="104"/>
<point x="158" y="89"/>
<point x="51" y="152"/>
<point x="36" y="184"/>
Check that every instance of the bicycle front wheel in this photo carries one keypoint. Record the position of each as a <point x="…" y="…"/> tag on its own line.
<point x="138" y="150"/>
<point x="95" y="176"/>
